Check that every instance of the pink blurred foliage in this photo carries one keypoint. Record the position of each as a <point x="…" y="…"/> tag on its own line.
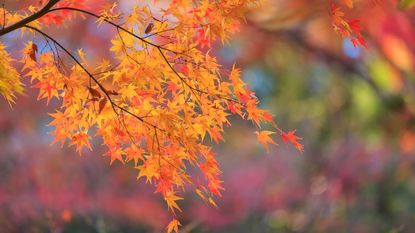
<point x="38" y="180"/>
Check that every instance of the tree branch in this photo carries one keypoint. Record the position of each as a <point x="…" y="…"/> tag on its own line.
<point x="102" y="88"/>
<point x="29" y="19"/>
<point x="117" y="26"/>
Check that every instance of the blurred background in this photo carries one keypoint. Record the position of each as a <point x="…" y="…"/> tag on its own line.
<point x="354" y="108"/>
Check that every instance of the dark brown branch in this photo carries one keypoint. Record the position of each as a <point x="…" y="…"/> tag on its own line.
<point x="29" y="19"/>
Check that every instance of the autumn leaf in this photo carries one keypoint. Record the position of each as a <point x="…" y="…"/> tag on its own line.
<point x="94" y="93"/>
<point x="215" y="134"/>
<point x="212" y="202"/>
<point x="171" y="199"/>
<point x="102" y="103"/>
<point x="33" y="52"/>
<point x="149" y="28"/>
<point x="200" y="194"/>
<point x="264" y="138"/>
<point x="80" y="140"/>
<point x="115" y="154"/>
<point x="10" y="83"/>
<point x="173" y="226"/>
<point x="290" y="137"/>
<point x="32" y="55"/>
<point x="347" y="28"/>
<point x="34" y="47"/>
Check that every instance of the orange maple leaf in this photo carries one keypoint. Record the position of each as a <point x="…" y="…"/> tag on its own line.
<point x="215" y="135"/>
<point x="173" y="226"/>
<point x="80" y="140"/>
<point x="47" y="89"/>
<point x="264" y="138"/>
<point x="347" y="28"/>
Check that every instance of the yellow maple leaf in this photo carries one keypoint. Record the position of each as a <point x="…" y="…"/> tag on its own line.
<point x="171" y="199"/>
<point x="173" y="226"/>
<point x="9" y="78"/>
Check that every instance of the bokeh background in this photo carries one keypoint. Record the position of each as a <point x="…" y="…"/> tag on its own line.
<point x="354" y="108"/>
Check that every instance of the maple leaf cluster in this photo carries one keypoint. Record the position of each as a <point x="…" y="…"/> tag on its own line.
<point x="9" y="77"/>
<point x="347" y="28"/>
<point x="157" y="100"/>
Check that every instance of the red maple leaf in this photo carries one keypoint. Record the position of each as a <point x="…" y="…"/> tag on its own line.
<point x="293" y="139"/>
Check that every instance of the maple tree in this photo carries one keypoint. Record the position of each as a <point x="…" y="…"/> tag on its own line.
<point x="160" y="95"/>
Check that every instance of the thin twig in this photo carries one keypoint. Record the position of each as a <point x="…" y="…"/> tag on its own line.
<point x="116" y="26"/>
<point x="30" y="18"/>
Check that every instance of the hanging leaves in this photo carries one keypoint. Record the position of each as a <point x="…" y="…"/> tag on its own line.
<point x="347" y="28"/>
<point x="156" y="101"/>
<point x="173" y="226"/>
